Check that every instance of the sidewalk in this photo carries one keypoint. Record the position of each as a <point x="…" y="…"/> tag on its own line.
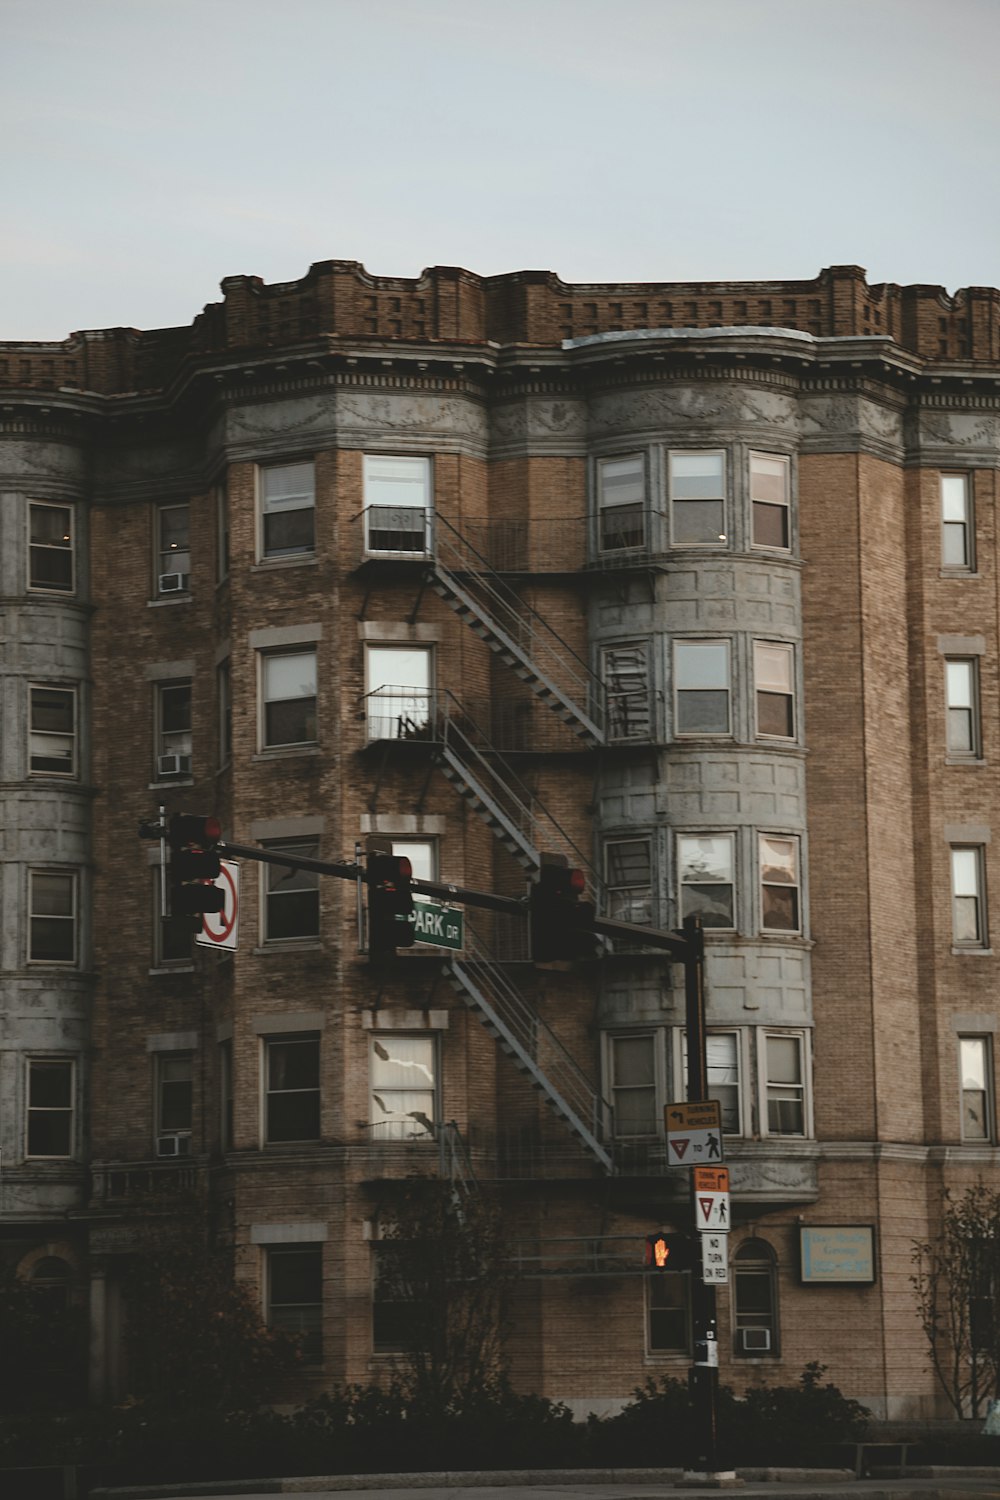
<point x="587" y="1484"/>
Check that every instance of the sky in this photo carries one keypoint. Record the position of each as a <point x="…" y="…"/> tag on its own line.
<point x="149" y="148"/>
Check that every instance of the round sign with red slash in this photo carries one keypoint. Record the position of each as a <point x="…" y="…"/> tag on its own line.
<point x="220" y="929"/>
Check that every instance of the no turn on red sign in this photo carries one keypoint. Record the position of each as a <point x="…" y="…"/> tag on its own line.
<point x="221" y="929"/>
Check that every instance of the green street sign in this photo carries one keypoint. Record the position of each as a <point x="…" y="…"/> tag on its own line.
<point x="441" y="925"/>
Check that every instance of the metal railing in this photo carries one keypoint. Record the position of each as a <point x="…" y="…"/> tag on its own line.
<point x="534" y="1046"/>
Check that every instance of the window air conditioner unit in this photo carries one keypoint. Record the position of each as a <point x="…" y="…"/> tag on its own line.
<point x="173" y="583"/>
<point x="755" y="1340"/>
<point x="173" y="1145"/>
<point x="173" y="765"/>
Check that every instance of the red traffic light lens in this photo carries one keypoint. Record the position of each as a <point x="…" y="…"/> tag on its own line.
<point x="213" y="829"/>
<point x="403" y="866"/>
<point x="577" y="881"/>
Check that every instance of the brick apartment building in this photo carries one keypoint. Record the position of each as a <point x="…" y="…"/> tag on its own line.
<point x="694" y="584"/>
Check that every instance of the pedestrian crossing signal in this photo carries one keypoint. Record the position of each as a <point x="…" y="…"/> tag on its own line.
<point x="668" y="1252"/>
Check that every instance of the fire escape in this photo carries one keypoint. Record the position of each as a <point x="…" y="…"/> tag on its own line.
<point x="473" y="744"/>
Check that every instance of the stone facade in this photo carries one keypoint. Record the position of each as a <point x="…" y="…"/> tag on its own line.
<point x="700" y="593"/>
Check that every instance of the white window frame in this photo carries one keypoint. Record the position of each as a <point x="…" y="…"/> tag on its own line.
<point x="983" y="1044"/>
<point x="296" y="500"/>
<point x="386" y="1124"/>
<point x="395" y="522"/>
<point x="720" y="538"/>
<point x="654" y="1036"/>
<point x="47" y="588"/>
<point x="626" y="678"/>
<point x="802" y="1039"/>
<point x="46" y="1060"/>
<point x="398" y="707"/>
<point x="72" y="774"/>
<point x="163" y="1062"/>
<point x="307" y="648"/>
<point x="636" y="901"/>
<point x="172" y="742"/>
<point x="760" y="1265"/>
<point x="784" y="505"/>
<point x="289" y="1038"/>
<point x="607" y="506"/>
<point x="741" y="1052"/>
<point x="309" y="1327"/>
<point x="677" y="1283"/>
<point x="272" y="876"/>
<point x="796" y="885"/>
<point x="683" y="835"/>
<point x="977" y="865"/>
<point x="72" y="879"/>
<point x="953" y="705"/>
<point x="785" y="690"/>
<point x="166" y="559"/>
<point x="691" y="643"/>
<point x="958" y="526"/>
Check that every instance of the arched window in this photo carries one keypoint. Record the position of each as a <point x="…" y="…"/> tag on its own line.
<point x="53" y="1276"/>
<point x="755" y="1300"/>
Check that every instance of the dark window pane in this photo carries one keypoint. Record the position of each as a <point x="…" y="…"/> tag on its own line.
<point x="49" y="1133"/>
<point x="293" y="915"/>
<point x="699" y="521"/>
<point x="622" y="526"/>
<point x="781" y="908"/>
<point x="774" y="715"/>
<point x="293" y="1065"/>
<point x="51" y="568"/>
<point x="293" y="1117"/>
<point x="713" y="903"/>
<point x="291" y="722"/>
<point x="770" y="525"/>
<point x="702" y="712"/>
<point x="51" y="1085"/>
<point x="52" y="710"/>
<point x="52" y="938"/>
<point x="296" y="1276"/>
<point x="175" y="1105"/>
<point x="288" y="532"/>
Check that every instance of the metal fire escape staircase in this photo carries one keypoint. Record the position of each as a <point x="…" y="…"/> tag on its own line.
<point x="532" y="1046"/>
<point x="520" y="636"/>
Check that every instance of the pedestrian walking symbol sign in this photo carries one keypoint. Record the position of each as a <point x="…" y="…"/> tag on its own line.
<point x="694" y="1133"/>
<point x="710" y="1187"/>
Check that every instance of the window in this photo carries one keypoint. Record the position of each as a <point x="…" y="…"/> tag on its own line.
<point x="774" y="676"/>
<point x="173" y="729"/>
<point x="225" y="701"/>
<point x="287" y="509"/>
<point x="50" y="1107"/>
<point x="779" y="884"/>
<point x="172" y="936"/>
<point x="770" y="501"/>
<point x="50" y="548"/>
<point x="722" y="1062"/>
<point x="291" y="1088"/>
<point x="397" y="505"/>
<point x="294" y="1298"/>
<point x="399" y="692"/>
<point x="629" y="872"/>
<point x="967" y="903"/>
<point x="226" y="1095"/>
<point x="961" y="678"/>
<point x="977" y="1089"/>
<point x="288" y="684"/>
<point x="784" y="1084"/>
<point x="625" y="674"/>
<point x="698" y="498"/>
<point x="957" y="535"/>
<point x="705" y="878"/>
<point x="621" y="503"/>
<point x="668" y="1312"/>
<point x="52" y="737"/>
<point x="291" y="897"/>
<point x="52" y="917"/>
<point x="755" y="1299"/>
<point x="174" y="1099"/>
<point x="173" y="549"/>
<point x="701" y="687"/>
<point x="403" y="1087"/>
<point x="633" y="1085"/>
<point x="422" y="854"/>
<point x="395" y="1310"/>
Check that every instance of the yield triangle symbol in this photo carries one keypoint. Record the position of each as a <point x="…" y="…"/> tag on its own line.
<point x="706" y="1208"/>
<point x="680" y="1146"/>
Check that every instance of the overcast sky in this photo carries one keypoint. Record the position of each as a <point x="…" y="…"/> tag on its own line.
<point x="151" y="147"/>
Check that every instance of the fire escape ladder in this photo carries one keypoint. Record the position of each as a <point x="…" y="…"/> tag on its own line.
<point x="470" y="760"/>
<point x="522" y="638"/>
<point x="532" y="1046"/>
<point x="454" y="1162"/>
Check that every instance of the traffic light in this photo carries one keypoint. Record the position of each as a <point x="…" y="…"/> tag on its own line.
<point x="194" y="866"/>
<point x="668" y="1252"/>
<point x="390" y="903"/>
<point x="562" y="926"/>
